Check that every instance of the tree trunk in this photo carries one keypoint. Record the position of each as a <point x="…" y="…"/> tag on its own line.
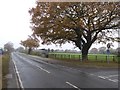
<point x="85" y="53"/>
<point x="29" y="50"/>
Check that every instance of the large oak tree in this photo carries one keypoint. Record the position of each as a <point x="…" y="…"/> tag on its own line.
<point x="81" y="23"/>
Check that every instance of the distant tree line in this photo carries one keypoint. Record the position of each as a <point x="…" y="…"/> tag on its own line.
<point x="102" y="50"/>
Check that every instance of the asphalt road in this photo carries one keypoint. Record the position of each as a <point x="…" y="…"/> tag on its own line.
<point x="35" y="73"/>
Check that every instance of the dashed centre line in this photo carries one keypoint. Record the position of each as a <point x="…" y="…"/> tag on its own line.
<point x="43" y="69"/>
<point x="108" y="78"/>
<point x="113" y="80"/>
<point x="36" y="65"/>
<point x="102" y="77"/>
<point x="73" y="85"/>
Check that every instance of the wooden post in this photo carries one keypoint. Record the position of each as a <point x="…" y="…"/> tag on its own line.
<point x="79" y="57"/>
<point x="96" y="57"/>
<point x="113" y="58"/>
<point x="106" y="58"/>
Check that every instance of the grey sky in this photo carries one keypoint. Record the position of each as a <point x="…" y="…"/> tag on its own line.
<point x="15" y="23"/>
<point x="14" y="20"/>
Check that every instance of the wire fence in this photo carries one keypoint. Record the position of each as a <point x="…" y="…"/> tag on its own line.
<point x="101" y="58"/>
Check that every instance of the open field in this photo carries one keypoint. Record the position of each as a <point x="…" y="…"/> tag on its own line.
<point x="5" y="69"/>
<point x="91" y="57"/>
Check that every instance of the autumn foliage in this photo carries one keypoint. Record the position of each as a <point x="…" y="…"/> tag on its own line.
<point x="80" y="23"/>
<point x="30" y="43"/>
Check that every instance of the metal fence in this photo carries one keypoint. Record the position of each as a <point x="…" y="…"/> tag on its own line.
<point x="102" y="58"/>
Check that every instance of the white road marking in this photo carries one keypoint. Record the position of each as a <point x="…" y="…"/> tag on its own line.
<point x="73" y="85"/>
<point x="102" y="77"/>
<point x="116" y="80"/>
<point x="92" y="74"/>
<point x="108" y="78"/>
<point x="17" y="73"/>
<point x="36" y="65"/>
<point x="113" y="80"/>
<point x="35" y="59"/>
<point x="111" y="76"/>
<point x="43" y="69"/>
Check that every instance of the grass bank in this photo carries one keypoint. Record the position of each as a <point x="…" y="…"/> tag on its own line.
<point x="94" y="60"/>
<point x="5" y="69"/>
<point x="78" y="63"/>
<point x="91" y="57"/>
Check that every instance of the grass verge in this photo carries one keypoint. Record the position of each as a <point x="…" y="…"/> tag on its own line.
<point x="5" y="69"/>
<point x="78" y="63"/>
<point x="91" y="57"/>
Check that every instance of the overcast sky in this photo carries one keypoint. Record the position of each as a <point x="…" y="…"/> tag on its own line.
<point x="15" y="23"/>
<point x="14" y="20"/>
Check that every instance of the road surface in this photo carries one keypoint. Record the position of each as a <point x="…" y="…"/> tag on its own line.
<point x="35" y="73"/>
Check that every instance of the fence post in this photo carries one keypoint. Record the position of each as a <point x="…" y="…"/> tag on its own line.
<point x="106" y="58"/>
<point x="69" y="57"/>
<point x="52" y="55"/>
<point x="79" y="57"/>
<point x="73" y="57"/>
<point x="96" y="57"/>
<point x="55" y="55"/>
<point x="113" y="58"/>
<point x="61" y="56"/>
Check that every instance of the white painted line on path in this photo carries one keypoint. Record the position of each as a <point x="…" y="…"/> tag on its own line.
<point x="73" y="85"/>
<point x="107" y="78"/>
<point x="111" y="76"/>
<point x="17" y="73"/>
<point x="113" y="80"/>
<point x="35" y="65"/>
<point x="91" y="74"/>
<point x="43" y="69"/>
<point x="102" y="77"/>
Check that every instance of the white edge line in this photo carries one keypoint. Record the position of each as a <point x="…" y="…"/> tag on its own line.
<point x="16" y="76"/>
<point x="17" y="73"/>
<point x="73" y="85"/>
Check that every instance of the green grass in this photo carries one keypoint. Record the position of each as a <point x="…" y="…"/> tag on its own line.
<point x="94" y="60"/>
<point x="91" y="57"/>
<point x="5" y="69"/>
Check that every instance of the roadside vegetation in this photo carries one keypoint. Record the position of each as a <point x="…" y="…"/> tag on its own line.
<point x="74" y="59"/>
<point x="81" y="24"/>
<point x="94" y="60"/>
<point x="8" y="48"/>
<point x="5" y="69"/>
<point x="91" y="57"/>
